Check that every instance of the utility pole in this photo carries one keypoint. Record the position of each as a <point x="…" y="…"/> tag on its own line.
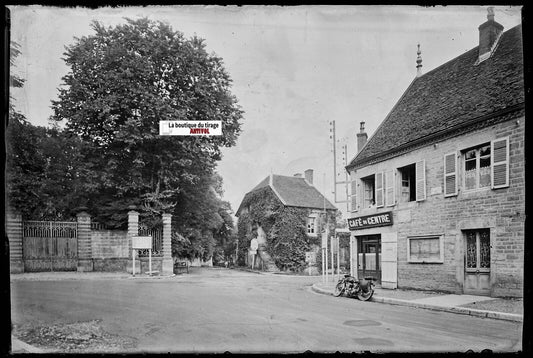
<point x="345" y="162"/>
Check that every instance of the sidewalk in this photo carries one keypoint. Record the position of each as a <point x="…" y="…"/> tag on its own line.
<point x="73" y="275"/>
<point x="479" y="306"/>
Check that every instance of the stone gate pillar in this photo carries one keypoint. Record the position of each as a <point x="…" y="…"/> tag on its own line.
<point x="85" y="255"/>
<point x="133" y="230"/>
<point x="167" y="266"/>
<point x="14" y="235"/>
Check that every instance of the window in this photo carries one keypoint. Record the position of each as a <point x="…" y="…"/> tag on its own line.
<point x="353" y="194"/>
<point x="408" y="183"/>
<point x="311" y="226"/>
<point x="477" y="249"/>
<point x="450" y="174"/>
<point x="368" y="191"/>
<point x="425" y="249"/>
<point x="477" y="169"/>
<point x="484" y="166"/>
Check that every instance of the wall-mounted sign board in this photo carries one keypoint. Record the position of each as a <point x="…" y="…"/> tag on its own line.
<point x="364" y="222"/>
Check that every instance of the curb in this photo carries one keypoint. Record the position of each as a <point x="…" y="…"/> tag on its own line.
<point x="459" y="310"/>
<point x="271" y="273"/>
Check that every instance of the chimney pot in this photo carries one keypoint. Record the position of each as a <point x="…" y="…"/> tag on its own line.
<point x="309" y="176"/>
<point x="489" y="33"/>
<point x="490" y="14"/>
<point x="361" y="137"/>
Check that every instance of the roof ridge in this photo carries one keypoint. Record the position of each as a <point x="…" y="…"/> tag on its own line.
<point x="438" y="98"/>
<point x="472" y="49"/>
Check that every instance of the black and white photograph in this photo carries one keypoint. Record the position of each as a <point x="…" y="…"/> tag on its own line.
<point x="270" y="179"/>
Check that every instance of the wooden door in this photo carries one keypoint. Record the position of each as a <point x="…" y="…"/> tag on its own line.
<point x="477" y="262"/>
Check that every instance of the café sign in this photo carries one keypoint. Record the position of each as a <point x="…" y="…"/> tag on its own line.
<point x="365" y="222"/>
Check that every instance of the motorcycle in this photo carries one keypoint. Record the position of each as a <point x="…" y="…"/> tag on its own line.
<point x="362" y="289"/>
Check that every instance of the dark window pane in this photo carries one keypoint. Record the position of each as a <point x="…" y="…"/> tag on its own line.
<point x="471" y="154"/>
<point x="484" y="151"/>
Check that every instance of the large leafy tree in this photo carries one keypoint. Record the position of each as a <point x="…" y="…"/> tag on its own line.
<point x="123" y="81"/>
<point x="42" y="164"/>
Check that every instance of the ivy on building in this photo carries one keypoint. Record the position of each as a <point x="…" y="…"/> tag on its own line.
<point x="285" y="229"/>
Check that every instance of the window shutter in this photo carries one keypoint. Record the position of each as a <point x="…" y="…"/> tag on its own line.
<point x="450" y="174"/>
<point x="379" y="189"/>
<point x="354" y="195"/>
<point x="420" y="180"/>
<point x="389" y="183"/>
<point x="500" y="163"/>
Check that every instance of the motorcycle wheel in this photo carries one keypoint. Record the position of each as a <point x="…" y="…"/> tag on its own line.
<point x="339" y="289"/>
<point x="365" y="296"/>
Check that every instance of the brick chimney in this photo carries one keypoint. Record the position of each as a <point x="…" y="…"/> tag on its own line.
<point x="309" y="176"/>
<point x="489" y="33"/>
<point x="361" y="137"/>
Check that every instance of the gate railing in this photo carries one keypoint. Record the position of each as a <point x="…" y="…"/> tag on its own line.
<point x="67" y="229"/>
<point x="49" y="245"/>
<point x="157" y="240"/>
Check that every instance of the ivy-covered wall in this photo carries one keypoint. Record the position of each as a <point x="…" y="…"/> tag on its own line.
<point x="285" y="229"/>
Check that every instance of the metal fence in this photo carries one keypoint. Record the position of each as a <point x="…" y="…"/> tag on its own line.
<point x="68" y="229"/>
<point x="157" y="240"/>
<point x="49" y="245"/>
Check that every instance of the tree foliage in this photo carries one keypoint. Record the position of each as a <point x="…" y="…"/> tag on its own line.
<point x="123" y="81"/>
<point x="41" y="164"/>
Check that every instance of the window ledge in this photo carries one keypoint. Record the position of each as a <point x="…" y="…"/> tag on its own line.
<point x="473" y="192"/>
<point x="406" y="205"/>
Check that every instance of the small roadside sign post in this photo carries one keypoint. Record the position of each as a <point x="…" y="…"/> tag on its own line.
<point x="253" y="250"/>
<point x="140" y="243"/>
<point x="325" y="256"/>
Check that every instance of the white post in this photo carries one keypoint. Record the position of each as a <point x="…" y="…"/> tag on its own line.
<point x="331" y="248"/>
<point x="323" y="271"/>
<point x="338" y="259"/>
<point x="133" y="255"/>
<point x="351" y="256"/>
<point x="150" y="261"/>
<point x="326" y="254"/>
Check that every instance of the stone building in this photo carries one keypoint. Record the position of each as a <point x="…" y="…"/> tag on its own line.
<point x="259" y="206"/>
<point x="438" y="191"/>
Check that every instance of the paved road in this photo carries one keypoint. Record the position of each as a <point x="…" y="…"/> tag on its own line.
<point x="217" y="310"/>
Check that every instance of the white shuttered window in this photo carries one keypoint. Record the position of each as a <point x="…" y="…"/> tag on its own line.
<point x="389" y="191"/>
<point x="379" y="189"/>
<point x="500" y="163"/>
<point x="353" y="197"/>
<point x="450" y="174"/>
<point x="421" y="180"/>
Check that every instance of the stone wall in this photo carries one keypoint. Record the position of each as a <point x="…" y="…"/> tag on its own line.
<point x="110" y="244"/>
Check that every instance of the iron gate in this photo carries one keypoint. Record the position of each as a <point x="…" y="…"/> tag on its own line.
<point x="50" y="245"/>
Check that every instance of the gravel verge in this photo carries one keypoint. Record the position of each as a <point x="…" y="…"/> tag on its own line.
<point x="78" y="337"/>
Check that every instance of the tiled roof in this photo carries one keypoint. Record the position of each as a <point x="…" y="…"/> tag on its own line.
<point x="452" y="95"/>
<point x="293" y="191"/>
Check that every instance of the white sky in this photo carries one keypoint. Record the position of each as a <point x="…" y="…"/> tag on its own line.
<point x="294" y="69"/>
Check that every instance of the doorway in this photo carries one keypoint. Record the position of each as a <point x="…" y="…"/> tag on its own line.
<point x="369" y="256"/>
<point x="477" y="262"/>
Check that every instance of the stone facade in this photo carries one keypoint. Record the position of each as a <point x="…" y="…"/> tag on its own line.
<point x="500" y="211"/>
